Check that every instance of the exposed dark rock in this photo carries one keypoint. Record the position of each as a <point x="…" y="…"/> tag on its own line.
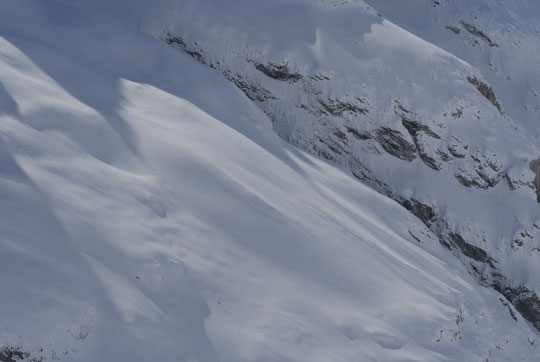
<point x="511" y="185"/>
<point x="363" y="173"/>
<point x="481" y="180"/>
<point x="534" y="165"/>
<point x="393" y="142"/>
<point x="478" y="33"/>
<point x="428" y="160"/>
<point x="342" y="136"/>
<point x="279" y="72"/>
<point x="179" y="42"/>
<point x="319" y="77"/>
<point x="454" y="29"/>
<point x="12" y="354"/>
<point x="524" y="300"/>
<point x="486" y="91"/>
<point x="454" y="152"/>
<point x="359" y="135"/>
<point x="444" y="156"/>
<point x="414" y="236"/>
<point x="17" y="353"/>
<point x="510" y="310"/>
<point x="255" y="92"/>
<point x="336" y="108"/>
<point x="335" y="146"/>
<point x="424" y="212"/>
<point x="457" y="114"/>
<point x="415" y="128"/>
<point x="470" y="250"/>
<point x="466" y="181"/>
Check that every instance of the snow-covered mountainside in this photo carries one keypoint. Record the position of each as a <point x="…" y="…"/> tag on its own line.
<point x="152" y="207"/>
<point x="433" y="103"/>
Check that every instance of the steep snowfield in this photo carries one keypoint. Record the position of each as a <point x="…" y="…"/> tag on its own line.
<point x="149" y="212"/>
<point x="433" y="103"/>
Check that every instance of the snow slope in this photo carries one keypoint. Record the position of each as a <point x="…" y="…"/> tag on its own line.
<point x="433" y="103"/>
<point x="150" y="212"/>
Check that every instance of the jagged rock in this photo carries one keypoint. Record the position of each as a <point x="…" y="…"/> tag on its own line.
<point x="393" y="142"/>
<point x="457" y="114"/>
<point x="336" y="107"/>
<point x="13" y="353"/>
<point x="526" y="301"/>
<point x="510" y="310"/>
<point x="454" y="29"/>
<point x="470" y="250"/>
<point x="426" y="213"/>
<point x="416" y="130"/>
<point x="319" y="77"/>
<point x="279" y="72"/>
<point x="359" y="135"/>
<point x="486" y="91"/>
<point x="255" y="92"/>
<point x="179" y="42"/>
<point x="478" y="33"/>
<point x="478" y="178"/>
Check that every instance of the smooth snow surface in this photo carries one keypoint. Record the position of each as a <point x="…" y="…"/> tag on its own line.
<point x="149" y="212"/>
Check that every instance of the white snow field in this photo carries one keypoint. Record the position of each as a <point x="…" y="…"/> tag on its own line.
<point x="150" y="212"/>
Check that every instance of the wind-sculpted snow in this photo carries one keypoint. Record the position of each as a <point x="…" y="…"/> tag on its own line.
<point x="420" y="101"/>
<point x="148" y="210"/>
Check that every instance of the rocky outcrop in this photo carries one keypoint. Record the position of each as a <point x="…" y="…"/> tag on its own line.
<point x="179" y="42"/>
<point x="453" y="29"/>
<point x="486" y="91"/>
<point x="279" y="72"/>
<point x="482" y="172"/>
<point x="482" y="265"/>
<point x="418" y="131"/>
<point x="470" y="250"/>
<point x="252" y="90"/>
<point x="478" y="33"/>
<point x="526" y="301"/>
<point x="427" y="213"/>
<point x="336" y="107"/>
<point x="394" y="143"/>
